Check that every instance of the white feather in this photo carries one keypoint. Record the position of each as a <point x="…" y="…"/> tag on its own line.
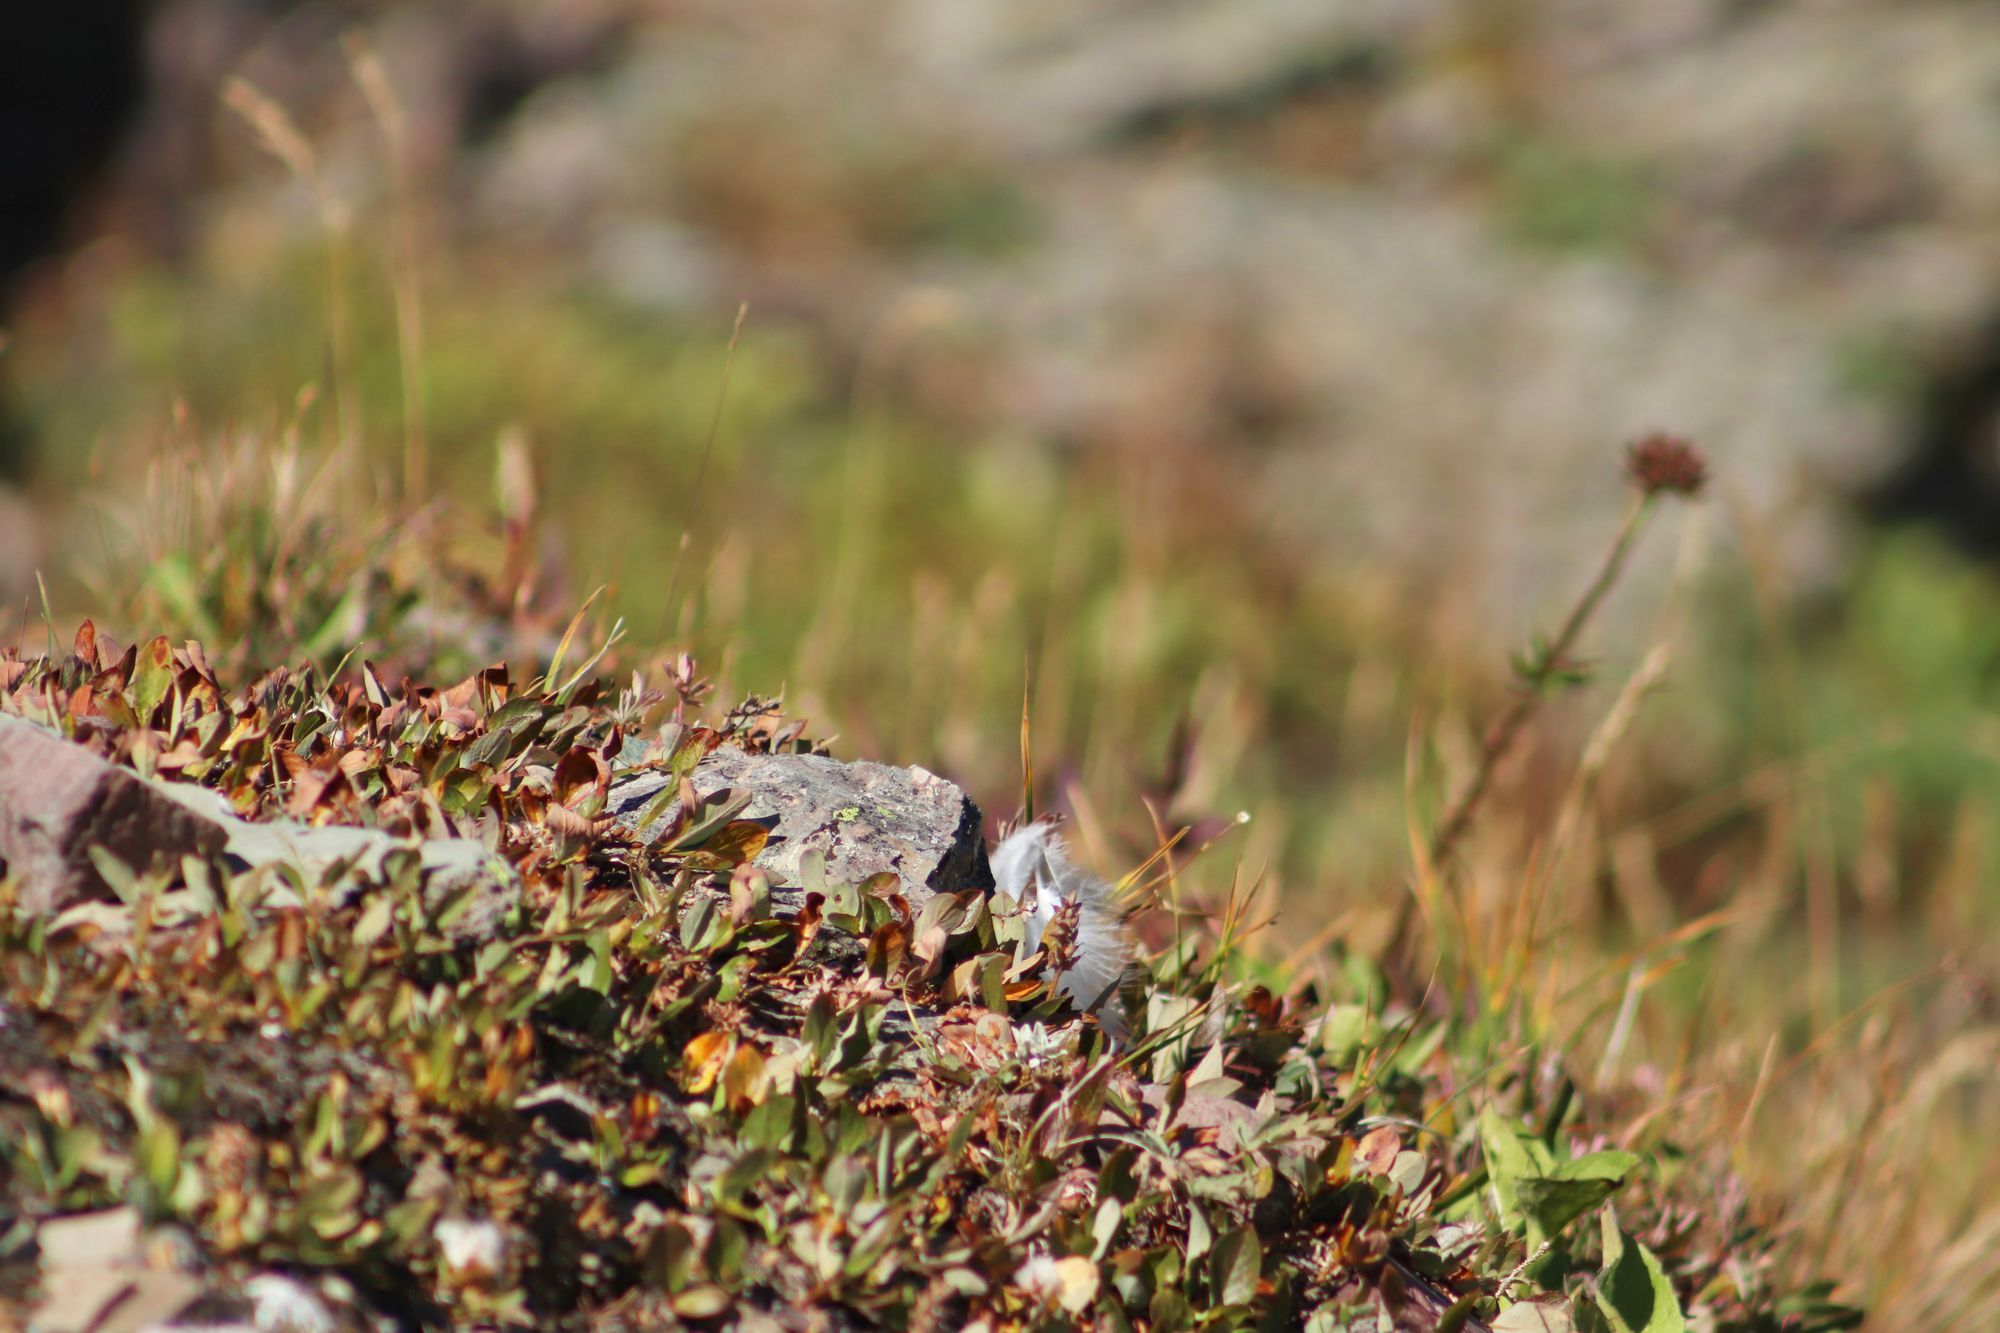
<point x="1032" y="865"/>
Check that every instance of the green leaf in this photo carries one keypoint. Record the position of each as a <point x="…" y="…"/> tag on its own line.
<point x="769" y="1124"/>
<point x="688" y="751"/>
<point x="1168" y="1312"/>
<point x="1539" y="1196"/>
<point x="725" y="1249"/>
<point x="1637" y="1296"/>
<point x="376" y="918"/>
<point x="1200" y="1235"/>
<point x="1104" y="1227"/>
<point x="1511" y="1157"/>
<point x="152" y="677"/>
<point x="812" y="871"/>
<point x="641" y="1174"/>
<point x="1812" y="1309"/>
<point x="411" y="1219"/>
<point x="717" y="809"/>
<point x="1573" y="1188"/>
<point x="1115" y="1179"/>
<point x="117" y="876"/>
<point x="1343" y="1030"/>
<point x="742" y="1174"/>
<point x="159" y="1159"/>
<point x="1238" y="1263"/>
<point x="703" y="927"/>
<point x="819" y="1030"/>
<point x="489" y="749"/>
<point x="993" y="982"/>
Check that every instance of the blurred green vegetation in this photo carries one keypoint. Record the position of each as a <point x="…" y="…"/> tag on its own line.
<point x="910" y="584"/>
<point x="1549" y="194"/>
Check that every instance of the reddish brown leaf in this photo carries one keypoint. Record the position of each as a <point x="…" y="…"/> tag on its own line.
<point x="1377" y="1150"/>
<point x="888" y="947"/>
<point x="805" y="926"/>
<point x="578" y="770"/>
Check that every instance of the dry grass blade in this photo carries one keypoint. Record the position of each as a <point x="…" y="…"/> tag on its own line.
<point x="373" y="80"/>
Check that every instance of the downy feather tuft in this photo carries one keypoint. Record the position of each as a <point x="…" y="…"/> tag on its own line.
<point x="1033" y="866"/>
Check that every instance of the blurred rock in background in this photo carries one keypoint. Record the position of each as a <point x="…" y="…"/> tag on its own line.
<point x="1408" y="270"/>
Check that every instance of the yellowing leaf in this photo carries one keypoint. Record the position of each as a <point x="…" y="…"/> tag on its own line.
<point x="744" y="1080"/>
<point x="702" y="1302"/>
<point x="1079" y="1283"/>
<point x="152" y="677"/>
<point x="701" y="1062"/>
<point x="736" y="842"/>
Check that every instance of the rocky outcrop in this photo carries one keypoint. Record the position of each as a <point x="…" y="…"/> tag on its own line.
<point x="861" y="818"/>
<point x="59" y="803"/>
<point x="62" y="806"/>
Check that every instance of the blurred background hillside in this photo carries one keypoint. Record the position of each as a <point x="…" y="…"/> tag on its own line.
<point x="1250" y="377"/>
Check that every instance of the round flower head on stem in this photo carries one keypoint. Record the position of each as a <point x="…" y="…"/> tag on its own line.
<point x="1662" y="462"/>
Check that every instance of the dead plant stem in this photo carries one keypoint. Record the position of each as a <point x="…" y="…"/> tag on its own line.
<point x="1506" y="729"/>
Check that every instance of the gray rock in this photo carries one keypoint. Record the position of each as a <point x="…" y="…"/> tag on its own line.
<point x="359" y="856"/>
<point x="1430" y="378"/>
<point x="866" y="818"/>
<point x="58" y="800"/>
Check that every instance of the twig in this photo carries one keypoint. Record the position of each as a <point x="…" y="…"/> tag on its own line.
<point x="1547" y="667"/>
<point x="372" y="78"/>
<point x="1658" y="464"/>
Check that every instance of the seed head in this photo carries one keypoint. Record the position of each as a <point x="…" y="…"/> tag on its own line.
<point x="1662" y="462"/>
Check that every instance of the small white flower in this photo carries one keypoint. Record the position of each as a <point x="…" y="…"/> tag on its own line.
<point x="280" y="1304"/>
<point x="1037" y="1043"/>
<point x="1070" y="1282"/>
<point x="471" y="1250"/>
<point x="1040" y="1278"/>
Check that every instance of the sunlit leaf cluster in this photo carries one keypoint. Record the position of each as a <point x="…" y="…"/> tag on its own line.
<point x="656" y="1095"/>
